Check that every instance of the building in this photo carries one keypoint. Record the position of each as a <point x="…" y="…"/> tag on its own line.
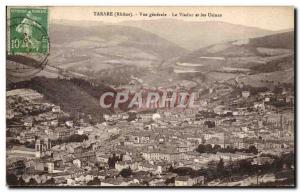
<point x="42" y="147"/>
<point x="122" y="165"/>
<point x="77" y="163"/>
<point x="163" y="155"/>
<point x="50" y="166"/>
<point x="56" y="109"/>
<point x="85" y="157"/>
<point x="186" y="181"/>
<point x="61" y="133"/>
<point x="245" y="94"/>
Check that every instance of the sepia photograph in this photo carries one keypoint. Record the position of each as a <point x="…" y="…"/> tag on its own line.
<point x="147" y="97"/>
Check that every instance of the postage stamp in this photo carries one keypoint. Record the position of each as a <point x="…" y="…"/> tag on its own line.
<point x="28" y="30"/>
<point x="150" y="97"/>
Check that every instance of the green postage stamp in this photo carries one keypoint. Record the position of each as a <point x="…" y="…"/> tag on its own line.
<point x="27" y="30"/>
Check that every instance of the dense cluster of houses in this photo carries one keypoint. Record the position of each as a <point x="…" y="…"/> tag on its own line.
<point x="51" y="146"/>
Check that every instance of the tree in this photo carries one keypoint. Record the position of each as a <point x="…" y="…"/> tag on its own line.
<point x="217" y="148"/>
<point x="50" y="181"/>
<point x="170" y="180"/>
<point x="171" y="169"/>
<point x="277" y="90"/>
<point x="182" y="171"/>
<point x="95" y="181"/>
<point x="126" y="172"/>
<point x="111" y="163"/>
<point x="132" y="116"/>
<point x="21" y="181"/>
<point x="99" y="166"/>
<point x="245" y="167"/>
<point x="12" y="180"/>
<point x="120" y="157"/>
<point x="30" y="145"/>
<point x="32" y="182"/>
<point x="220" y="167"/>
<point x="252" y="149"/>
<point x="77" y="138"/>
<point x="204" y="148"/>
<point x="201" y="148"/>
<point x="208" y="148"/>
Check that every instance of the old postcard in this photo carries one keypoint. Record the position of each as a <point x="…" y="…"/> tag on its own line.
<point x="150" y="96"/>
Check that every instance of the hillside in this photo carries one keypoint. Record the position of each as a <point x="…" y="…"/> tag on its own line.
<point x="283" y="40"/>
<point x="195" y="35"/>
<point x="103" y="46"/>
<point x="266" y="55"/>
<point x="74" y="95"/>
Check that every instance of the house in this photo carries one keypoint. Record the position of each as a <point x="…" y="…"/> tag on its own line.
<point x="102" y="157"/>
<point x="145" y="117"/>
<point x="219" y="109"/>
<point x="181" y="181"/>
<point x="140" y="137"/>
<point x="116" y="181"/>
<point x="290" y="99"/>
<point x="122" y="165"/>
<point x="163" y="155"/>
<point x="111" y="173"/>
<point x="77" y="163"/>
<point x="197" y="180"/>
<point x="56" y="109"/>
<point x="71" y="182"/>
<point x="28" y="135"/>
<point x="116" y="117"/>
<point x="61" y="133"/>
<point x="187" y="181"/>
<point x="60" y="180"/>
<point x="61" y="176"/>
<point x="75" y="172"/>
<point x="113" y="131"/>
<point x="78" y="149"/>
<point x="245" y="94"/>
<point x="28" y="122"/>
<point x="17" y="167"/>
<point x="50" y="166"/>
<point x="145" y="166"/>
<point x="84" y="178"/>
<point x="42" y="147"/>
<point x="85" y="157"/>
<point x="235" y="113"/>
<point x="262" y="160"/>
<point x="214" y="138"/>
<point x="259" y="105"/>
<point x="54" y="123"/>
<point x="138" y="125"/>
<point x="157" y="182"/>
<point x="69" y="124"/>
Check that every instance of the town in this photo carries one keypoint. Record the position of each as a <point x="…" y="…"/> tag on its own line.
<point x="236" y="136"/>
<point x="149" y="97"/>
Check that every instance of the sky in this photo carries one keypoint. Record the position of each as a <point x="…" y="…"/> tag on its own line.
<point x="271" y="18"/>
